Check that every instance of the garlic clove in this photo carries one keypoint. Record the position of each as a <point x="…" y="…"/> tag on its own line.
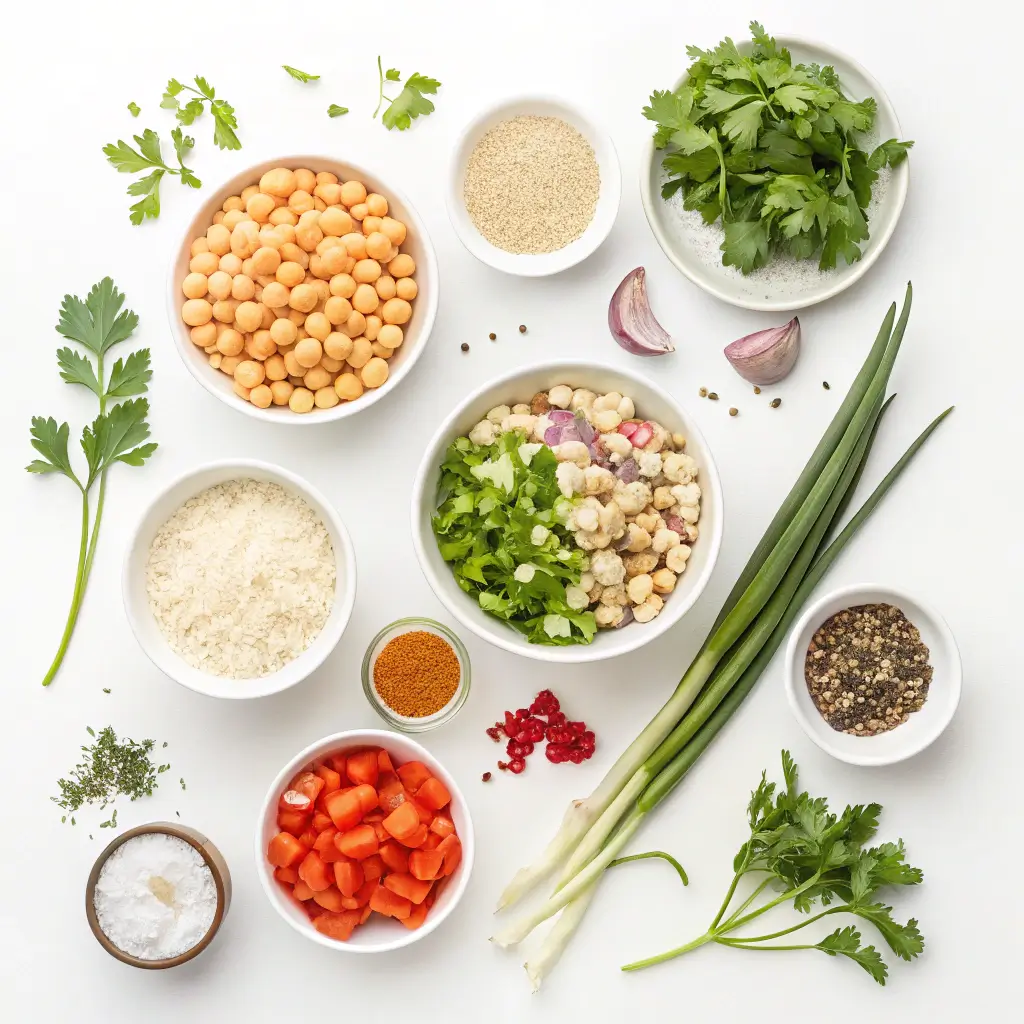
<point x="631" y="321"/>
<point x="765" y="357"/>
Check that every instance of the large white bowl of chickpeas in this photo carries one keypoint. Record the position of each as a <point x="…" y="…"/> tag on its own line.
<point x="303" y="291"/>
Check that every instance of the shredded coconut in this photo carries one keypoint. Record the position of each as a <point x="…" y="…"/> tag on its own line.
<point x="155" y="897"/>
<point x="241" y="578"/>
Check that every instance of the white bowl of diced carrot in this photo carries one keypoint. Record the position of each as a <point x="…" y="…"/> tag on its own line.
<point x="364" y="842"/>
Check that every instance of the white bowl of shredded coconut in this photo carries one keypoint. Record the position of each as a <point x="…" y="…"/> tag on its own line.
<point x="533" y="187"/>
<point x="240" y="579"/>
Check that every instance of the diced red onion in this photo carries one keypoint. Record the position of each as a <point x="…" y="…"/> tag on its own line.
<point x="586" y="431"/>
<point x="629" y="471"/>
<point x="628" y="428"/>
<point x="570" y="432"/>
<point x="677" y="524"/>
<point x="561" y="415"/>
<point x="553" y="435"/>
<point x="642" y="435"/>
<point x="627" y="617"/>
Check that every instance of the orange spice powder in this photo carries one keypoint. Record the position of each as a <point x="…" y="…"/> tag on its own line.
<point x="416" y="674"/>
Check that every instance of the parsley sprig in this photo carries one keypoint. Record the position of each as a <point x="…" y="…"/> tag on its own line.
<point x="410" y="103"/>
<point x="300" y="76"/>
<point x="118" y="434"/>
<point x="772" y="148"/>
<point x="224" y="121"/>
<point x="149" y="155"/>
<point x="812" y="858"/>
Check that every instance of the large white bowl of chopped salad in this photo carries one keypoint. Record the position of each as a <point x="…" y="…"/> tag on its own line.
<point x="569" y="512"/>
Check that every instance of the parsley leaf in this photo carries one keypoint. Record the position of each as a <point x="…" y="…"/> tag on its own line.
<point x="892" y="152"/>
<point x="335" y="111"/>
<point x="301" y="76"/>
<point x="410" y="103"/>
<point x="846" y="942"/>
<point x="134" y="109"/>
<point x="149" y="155"/>
<point x="224" y="121"/>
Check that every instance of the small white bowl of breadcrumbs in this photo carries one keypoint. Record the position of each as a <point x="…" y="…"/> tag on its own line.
<point x="534" y="186"/>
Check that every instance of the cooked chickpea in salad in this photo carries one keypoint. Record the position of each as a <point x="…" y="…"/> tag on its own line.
<point x="568" y="514"/>
<point x="299" y="290"/>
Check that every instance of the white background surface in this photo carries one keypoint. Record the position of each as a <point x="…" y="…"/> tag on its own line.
<point x="949" y="532"/>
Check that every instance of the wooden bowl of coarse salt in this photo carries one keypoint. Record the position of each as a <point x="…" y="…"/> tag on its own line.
<point x="533" y="186"/>
<point x="240" y="579"/>
<point x="157" y="895"/>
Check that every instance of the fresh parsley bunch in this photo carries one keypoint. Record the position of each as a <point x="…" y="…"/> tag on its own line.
<point x="808" y="857"/>
<point x="149" y="155"/>
<point x="224" y="121"/>
<point x="772" y="148"/>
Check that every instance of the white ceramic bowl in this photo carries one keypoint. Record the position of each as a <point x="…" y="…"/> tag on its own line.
<point x="520" y="386"/>
<point x="377" y="935"/>
<point x="540" y="264"/>
<point x="417" y="330"/>
<point x="694" y="252"/>
<point x="136" y="601"/>
<point x="923" y="726"/>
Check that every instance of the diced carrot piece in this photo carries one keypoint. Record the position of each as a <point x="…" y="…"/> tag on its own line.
<point x="322" y="820"/>
<point x="338" y="926"/>
<point x="330" y="899"/>
<point x="308" y="784"/>
<point x="308" y="838"/>
<point x="413" y="774"/>
<point x="433" y="794"/>
<point x="373" y="867"/>
<point x="365" y="914"/>
<point x="295" y="822"/>
<point x="416" y="838"/>
<point x="443" y="826"/>
<point x="315" y="873"/>
<point x="332" y="780"/>
<point x="375" y="815"/>
<point x="337" y="762"/>
<point x="384" y="762"/>
<point x="285" y="851"/>
<point x="432" y="843"/>
<point x="313" y="910"/>
<point x="417" y="917"/>
<point x="345" y="810"/>
<point x="358" y="842"/>
<point x="390" y="793"/>
<point x="413" y="889"/>
<point x="367" y="797"/>
<point x="452" y="850"/>
<point x="326" y="838"/>
<point x="402" y="821"/>
<point x="382" y="833"/>
<point x="394" y="857"/>
<point x="390" y="904"/>
<point x="302" y="891"/>
<point x="292" y="801"/>
<point x="426" y="864"/>
<point x="348" y="876"/>
<point x="361" y="768"/>
<point x="361" y="897"/>
<point x="286" y="876"/>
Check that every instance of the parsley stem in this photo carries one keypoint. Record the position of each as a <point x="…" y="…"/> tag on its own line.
<point x="739" y="944"/>
<point x="380" y="94"/>
<point x="639" y="965"/>
<point x="784" y="931"/>
<point x="729" y="895"/>
<point x="743" y="906"/>
<point x="786" y="896"/>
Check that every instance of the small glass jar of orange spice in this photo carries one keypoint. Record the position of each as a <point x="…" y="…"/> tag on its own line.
<point x="416" y="674"/>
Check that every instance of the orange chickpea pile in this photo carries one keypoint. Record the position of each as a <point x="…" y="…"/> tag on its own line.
<point x="299" y="290"/>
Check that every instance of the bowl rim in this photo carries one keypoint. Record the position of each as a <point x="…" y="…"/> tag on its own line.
<point x="210" y="855"/>
<point x="365" y="737"/>
<point x="426" y="300"/>
<point x="248" y="689"/>
<point x="548" y="263"/>
<point x="576" y="653"/>
<point x="853" y="594"/>
<point x="900" y="182"/>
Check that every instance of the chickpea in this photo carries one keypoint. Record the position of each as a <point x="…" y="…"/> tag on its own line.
<point x="664" y="581"/>
<point x="372" y="328"/>
<point x="308" y="237"/>
<point x="348" y="387"/>
<point x="246" y="268"/>
<point x="209" y="349"/>
<point x="316" y="377"/>
<point x="241" y="390"/>
<point x="366" y="272"/>
<point x="355" y="324"/>
<point x="261" y="396"/>
<point x="195" y="286"/>
<point x="329" y="364"/>
<point x="370" y="225"/>
<point x="359" y="211"/>
<point x="394" y="229"/>
<point x="323" y="293"/>
<point x="245" y="239"/>
<point x="248" y="192"/>
<point x="303" y="298"/>
<point x="310" y="218"/>
<point x="290" y="274"/>
<point x="224" y="310"/>
<point x="219" y="284"/>
<point x="218" y="217"/>
<point x="204" y="336"/>
<point x="230" y="342"/>
<point x="374" y="373"/>
<point x="260" y="207"/>
<point x="276" y="295"/>
<point x="301" y="400"/>
<point x="307" y="353"/>
<point x="248" y="317"/>
<point x="360" y="354"/>
<point x="349" y="265"/>
<point x="196" y="312"/>
<point x="402" y="265"/>
<point x="377" y="204"/>
<point x="334" y="260"/>
<point x="294" y="254"/>
<point x="390" y="336"/>
<point x="337" y="310"/>
<point x="300" y="201"/>
<point x="328" y="242"/>
<point x="317" y="326"/>
<point x="329" y="193"/>
<point x="298" y="318"/>
<point x="215" y="360"/>
<point x="203" y="263"/>
<point x="379" y="350"/>
<point x="228" y="364"/>
<point x="274" y="367"/>
<point x="407" y="289"/>
<point x="278" y="182"/>
<point x="282" y="217"/>
<point x="378" y="245"/>
<point x="353" y="192"/>
<point x="260" y="346"/>
<point x="338" y="346"/>
<point x="365" y="298"/>
<point x="219" y="239"/>
<point x="355" y="244"/>
<point x="230" y="264"/>
<point x="249" y="373"/>
<point x="385" y="287"/>
<point x="296" y="382"/>
<point x="242" y="287"/>
<point x="232" y="218"/>
<point x="326" y="178"/>
<point x="326" y="397"/>
<point x="396" y="311"/>
<point x="267" y="315"/>
<point x="199" y="245"/>
<point x="282" y="391"/>
<point x="343" y="285"/>
<point x="293" y="366"/>
<point x="266" y="260"/>
<point x="283" y="332"/>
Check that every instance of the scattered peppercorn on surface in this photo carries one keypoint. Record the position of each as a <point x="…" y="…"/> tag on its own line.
<point x="568" y="514"/>
<point x="360" y="835"/>
<point x="299" y="290"/>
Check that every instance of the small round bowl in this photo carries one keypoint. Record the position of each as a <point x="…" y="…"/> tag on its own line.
<point x="136" y="601"/>
<point x="519" y="386"/>
<point x="923" y="726"/>
<point x="694" y="249"/>
<point x="417" y="330"/>
<point x="214" y="861"/>
<point x="535" y="264"/>
<point x="377" y="935"/>
<point x="403" y="722"/>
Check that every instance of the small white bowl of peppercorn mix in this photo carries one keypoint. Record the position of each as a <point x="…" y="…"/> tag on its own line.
<point x="873" y="675"/>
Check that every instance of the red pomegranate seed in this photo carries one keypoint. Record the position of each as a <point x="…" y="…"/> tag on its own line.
<point x="494" y="734"/>
<point x="557" y="718"/>
<point x="486" y="777"/>
<point x="519" y="749"/>
<point x="576" y="756"/>
<point x="502" y="766"/>
<point x="512" y="726"/>
<point x="522" y="714"/>
<point x="576" y="728"/>
<point x="516" y="766"/>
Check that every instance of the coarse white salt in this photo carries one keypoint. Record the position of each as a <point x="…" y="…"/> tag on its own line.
<point x="241" y="578"/>
<point x="155" y="897"/>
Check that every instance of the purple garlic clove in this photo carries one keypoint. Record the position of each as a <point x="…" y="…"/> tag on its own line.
<point x="631" y="321"/>
<point x="765" y="357"/>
